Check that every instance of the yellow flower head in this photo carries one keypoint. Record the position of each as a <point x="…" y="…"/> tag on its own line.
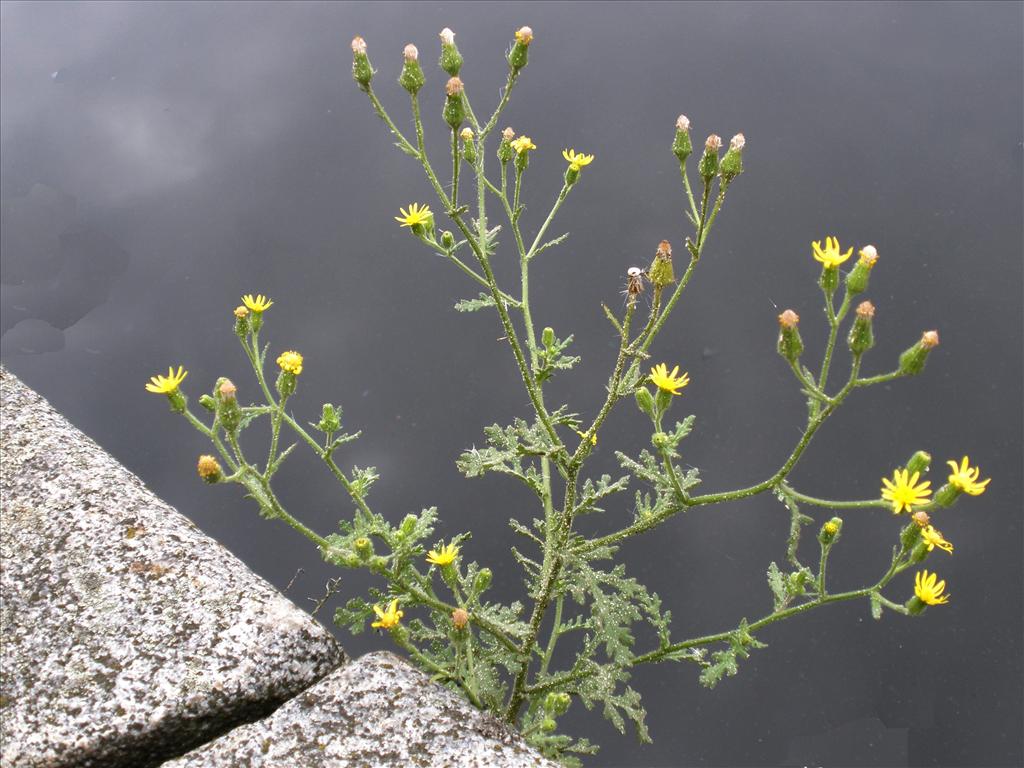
<point x="927" y="590"/>
<point x="259" y="304"/>
<point x="831" y="256"/>
<point x="933" y="538"/>
<point x="417" y="214"/>
<point x="904" y="491"/>
<point x="523" y="144"/>
<point x="387" y="619"/>
<point x="592" y="438"/>
<point x="209" y="468"/>
<point x="290" y="361"/>
<point x="166" y="385"/>
<point x="241" y="312"/>
<point x="445" y="557"/>
<point x="668" y="382"/>
<point x="576" y="161"/>
<point x="965" y="477"/>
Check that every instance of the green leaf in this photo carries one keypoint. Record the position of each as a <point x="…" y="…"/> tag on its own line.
<point x="472" y="305"/>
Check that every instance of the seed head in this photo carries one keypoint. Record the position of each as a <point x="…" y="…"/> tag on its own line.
<point x="714" y="142"/>
<point x="736" y="142"/>
<point x="208" y="468"/>
<point x="453" y="87"/>
<point x="466" y="134"/>
<point x="664" y="250"/>
<point x="789" y="319"/>
<point x="358" y="45"/>
<point x="866" y="310"/>
<point x="508" y="134"/>
<point x="682" y="123"/>
<point x="447" y="36"/>
<point x="930" y="339"/>
<point x="524" y="35"/>
<point x="227" y="389"/>
<point x="460" y="618"/>
<point x="411" y="53"/>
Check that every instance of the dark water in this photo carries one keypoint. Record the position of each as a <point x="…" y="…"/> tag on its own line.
<point x="161" y="159"/>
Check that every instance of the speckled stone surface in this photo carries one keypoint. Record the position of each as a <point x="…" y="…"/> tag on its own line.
<point x="377" y="711"/>
<point x="128" y="635"/>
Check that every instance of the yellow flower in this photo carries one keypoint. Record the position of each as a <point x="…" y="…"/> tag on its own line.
<point x="592" y="438"/>
<point x="259" y="305"/>
<point x="933" y="538"/>
<point x="445" y="557"/>
<point x="904" y="491"/>
<point x="831" y="256"/>
<point x="668" y="382"/>
<point x="166" y="385"/>
<point x="576" y="161"/>
<point x="290" y="361"/>
<point x="389" y="618"/>
<point x="927" y="590"/>
<point x="522" y="144"/>
<point x="417" y="214"/>
<point x="209" y="468"/>
<point x="965" y="477"/>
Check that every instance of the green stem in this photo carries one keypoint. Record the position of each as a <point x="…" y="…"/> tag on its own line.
<point x="555" y="627"/>
<point x="689" y="191"/>
<point x="831" y="504"/>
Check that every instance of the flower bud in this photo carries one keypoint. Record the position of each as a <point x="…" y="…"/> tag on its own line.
<point x="557" y="703"/>
<point x="241" y="322"/>
<point x="912" y="361"/>
<point x="645" y="401"/>
<point x="451" y="59"/>
<point x="682" y="148"/>
<point x="829" y="280"/>
<point x="460" y="618"/>
<point x="468" y="145"/>
<point x="732" y="162"/>
<point x="548" y="725"/>
<point x="505" y="150"/>
<point x="910" y="536"/>
<point x="208" y="402"/>
<point x="517" y="57"/>
<point x="919" y="462"/>
<point x="661" y="272"/>
<point x="447" y="240"/>
<point x="857" y="278"/>
<point x="708" y="165"/>
<point x="364" y="548"/>
<point x="408" y="525"/>
<point x="412" y="78"/>
<point x="454" y="111"/>
<point x="177" y="401"/>
<point x="362" y="72"/>
<point x="228" y="412"/>
<point x="482" y="580"/>
<point x="862" y="337"/>
<point x="330" y="419"/>
<point x="209" y="469"/>
<point x="227" y="390"/>
<point x="829" y="533"/>
<point x="790" y="345"/>
<point x="915" y="606"/>
<point x="946" y="495"/>
<point x="547" y="336"/>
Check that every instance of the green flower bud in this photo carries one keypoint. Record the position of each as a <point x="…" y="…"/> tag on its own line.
<point x="829" y="280"/>
<point x="547" y="336"/>
<point x="557" y="703"/>
<point x="920" y="552"/>
<point x="208" y="402"/>
<point x="505" y="150"/>
<point x="682" y="148"/>
<point x="364" y="548"/>
<point x="912" y="361"/>
<point x="645" y="401"/>
<point x="946" y="495"/>
<point x="177" y="401"/>
<point x="662" y="400"/>
<point x="454" y="111"/>
<point x="241" y="322"/>
<point x="708" y="166"/>
<point x="447" y="240"/>
<point x="862" y="337"/>
<point x="412" y="78"/>
<point x="732" y="163"/>
<point x="408" y="525"/>
<point x="790" y="345"/>
<point x="660" y="439"/>
<point x="468" y="145"/>
<point x="451" y="59"/>
<point x="362" y="72"/>
<point x="483" y="580"/>
<point x="572" y="175"/>
<point x="910" y="536"/>
<point x="830" y="531"/>
<point x="548" y="725"/>
<point x="919" y="462"/>
<point x="915" y="606"/>
<point x="330" y="419"/>
<point x="661" y="272"/>
<point x="517" y="57"/>
<point x="857" y="278"/>
<point x="286" y="381"/>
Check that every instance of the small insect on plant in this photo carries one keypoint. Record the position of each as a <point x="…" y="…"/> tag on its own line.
<point x="431" y="596"/>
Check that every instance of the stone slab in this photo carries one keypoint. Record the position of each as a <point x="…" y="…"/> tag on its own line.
<point x="378" y="711"/>
<point x="129" y="636"/>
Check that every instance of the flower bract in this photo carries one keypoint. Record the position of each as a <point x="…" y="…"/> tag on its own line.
<point x="668" y="382"/>
<point x="446" y="556"/>
<point x="290" y="361"/>
<point x="965" y="477"/>
<point x="389" y="618"/>
<point x="904" y="491"/>
<point x="830" y="255"/>
<point x="576" y="161"/>
<point x="165" y="385"/>
<point x="417" y="214"/>
<point x="933" y="538"/>
<point x="927" y="590"/>
<point x="259" y="304"/>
